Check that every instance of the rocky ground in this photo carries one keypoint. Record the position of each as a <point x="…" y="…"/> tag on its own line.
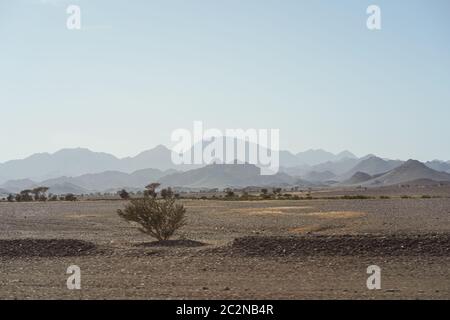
<point x="304" y="249"/>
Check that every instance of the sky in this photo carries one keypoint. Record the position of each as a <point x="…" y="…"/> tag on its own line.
<point x="140" y="69"/>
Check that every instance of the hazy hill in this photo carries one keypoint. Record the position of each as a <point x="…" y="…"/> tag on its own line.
<point x="81" y="161"/>
<point x="111" y="180"/>
<point x="159" y="158"/>
<point x="372" y="166"/>
<point x="315" y="176"/>
<point x="439" y="165"/>
<point x="66" y="188"/>
<point x="286" y="158"/>
<point x="18" y="185"/>
<point x="64" y="162"/>
<point x="225" y="175"/>
<point x="409" y="171"/>
<point x="314" y="157"/>
<point x="338" y="167"/>
<point x="77" y="162"/>
<point x="96" y="182"/>
<point x="357" y="178"/>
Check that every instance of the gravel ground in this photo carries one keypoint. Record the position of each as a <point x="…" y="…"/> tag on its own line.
<point x="316" y="249"/>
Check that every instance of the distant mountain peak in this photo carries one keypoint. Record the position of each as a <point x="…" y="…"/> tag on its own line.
<point x="345" y="154"/>
<point x="411" y="163"/>
<point x="161" y="147"/>
<point x="410" y="170"/>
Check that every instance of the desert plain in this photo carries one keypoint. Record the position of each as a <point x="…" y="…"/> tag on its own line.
<point x="274" y="249"/>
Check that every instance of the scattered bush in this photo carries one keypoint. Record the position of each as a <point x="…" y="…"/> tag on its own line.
<point x="124" y="194"/>
<point x="70" y="197"/>
<point x="157" y="218"/>
<point x="357" y="197"/>
<point x="229" y="195"/>
<point x="151" y="189"/>
<point x="40" y="193"/>
<point x="167" y="193"/>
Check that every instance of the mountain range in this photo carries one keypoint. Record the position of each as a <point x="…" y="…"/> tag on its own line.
<point x="83" y="171"/>
<point x="226" y="175"/>
<point x="80" y="161"/>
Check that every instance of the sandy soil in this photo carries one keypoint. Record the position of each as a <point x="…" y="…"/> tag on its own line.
<point x="235" y="250"/>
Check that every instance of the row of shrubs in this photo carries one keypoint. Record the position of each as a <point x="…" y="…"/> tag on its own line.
<point x="232" y="196"/>
<point x="38" y="194"/>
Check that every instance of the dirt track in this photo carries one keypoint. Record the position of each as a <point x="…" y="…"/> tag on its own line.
<point x="272" y="249"/>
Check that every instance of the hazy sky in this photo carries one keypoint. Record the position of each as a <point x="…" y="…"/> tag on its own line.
<point x="140" y="69"/>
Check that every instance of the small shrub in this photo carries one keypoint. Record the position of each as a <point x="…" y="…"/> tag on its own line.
<point x="157" y="218"/>
<point x="70" y="197"/>
<point x="124" y="194"/>
<point x="229" y="195"/>
<point x="356" y="197"/>
<point x="24" y="196"/>
<point x="167" y="193"/>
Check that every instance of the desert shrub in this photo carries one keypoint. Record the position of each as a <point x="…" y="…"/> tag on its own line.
<point x="356" y="197"/>
<point x="24" y="196"/>
<point x="70" y="197"/>
<point x="277" y="190"/>
<point x="10" y="198"/>
<point x="266" y="196"/>
<point x="426" y="197"/>
<point x="406" y="197"/>
<point x="40" y="193"/>
<point x="385" y="197"/>
<point x="167" y="193"/>
<point x="230" y="194"/>
<point x="157" y="218"/>
<point x="151" y="189"/>
<point x="124" y="194"/>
